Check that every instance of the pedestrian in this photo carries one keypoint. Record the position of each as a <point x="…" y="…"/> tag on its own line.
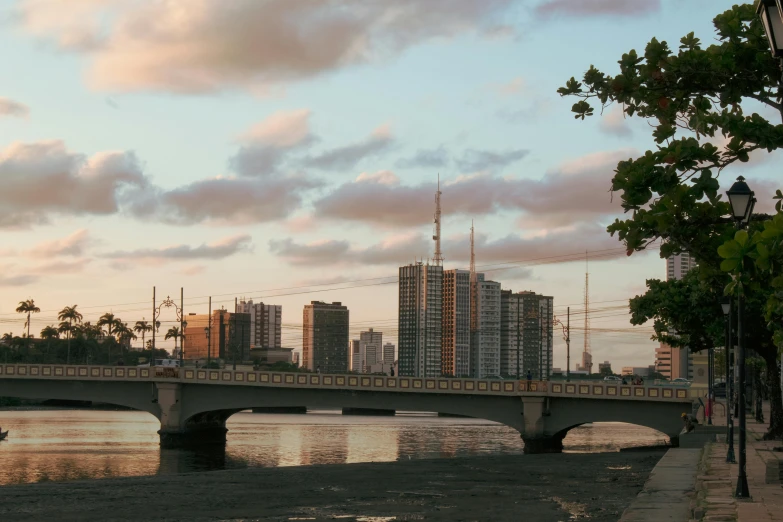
<point x="529" y="376"/>
<point x="624" y="381"/>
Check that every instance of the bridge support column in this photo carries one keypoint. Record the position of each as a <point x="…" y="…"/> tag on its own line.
<point x="534" y="434"/>
<point x="175" y="432"/>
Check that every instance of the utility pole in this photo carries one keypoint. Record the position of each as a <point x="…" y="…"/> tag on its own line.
<point x="209" y="336"/>
<point x="518" y="318"/>
<point x="181" y="327"/>
<point x="154" y="327"/>
<point x="568" y="346"/>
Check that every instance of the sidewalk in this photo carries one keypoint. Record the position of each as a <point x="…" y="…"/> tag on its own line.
<point x="717" y="482"/>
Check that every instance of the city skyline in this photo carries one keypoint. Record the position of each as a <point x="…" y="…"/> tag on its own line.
<point x="169" y="184"/>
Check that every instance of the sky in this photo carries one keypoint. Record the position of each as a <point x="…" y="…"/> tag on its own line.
<point x="289" y="150"/>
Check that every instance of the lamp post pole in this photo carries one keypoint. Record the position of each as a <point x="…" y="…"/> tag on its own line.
<point x="742" y="203"/>
<point x="709" y="386"/>
<point x="727" y="305"/>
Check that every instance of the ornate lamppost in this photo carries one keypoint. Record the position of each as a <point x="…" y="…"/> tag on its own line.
<point x="742" y="203"/>
<point x="156" y="310"/>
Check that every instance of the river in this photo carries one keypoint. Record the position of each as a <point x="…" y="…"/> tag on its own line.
<point x="62" y="445"/>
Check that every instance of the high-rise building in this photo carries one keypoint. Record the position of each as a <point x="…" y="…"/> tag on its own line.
<point x="388" y="353"/>
<point x="356" y="355"/>
<point x="371" y="343"/>
<point x="226" y="337"/>
<point x="485" y="334"/>
<point x="420" y="320"/>
<point x="265" y="323"/>
<point x="295" y="358"/>
<point x="325" y="337"/>
<point x="678" y="265"/>
<point x="526" y="336"/>
<point x="676" y="362"/>
<point x="455" y="357"/>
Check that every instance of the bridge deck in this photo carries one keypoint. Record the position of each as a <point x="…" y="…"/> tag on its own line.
<point x="225" y="377"/>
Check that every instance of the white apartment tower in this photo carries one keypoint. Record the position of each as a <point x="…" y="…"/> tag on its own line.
<point x="670" y="361"/>
<point x="265" y="323"/>
<point x="485" y="347"/>
<point x="457" y="322"/>
<point x="388" y="353"/>
<point x="420" y="320"/>
<point x="526" y="328"/>
<point x="356" y="357"/>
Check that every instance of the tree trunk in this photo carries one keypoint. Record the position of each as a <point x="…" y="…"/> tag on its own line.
<point x="775" y="400"/>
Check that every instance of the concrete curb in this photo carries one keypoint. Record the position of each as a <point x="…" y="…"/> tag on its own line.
<point x="669" y="491"/>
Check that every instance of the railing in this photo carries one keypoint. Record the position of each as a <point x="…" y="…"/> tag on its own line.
<point x="369" y="383"/>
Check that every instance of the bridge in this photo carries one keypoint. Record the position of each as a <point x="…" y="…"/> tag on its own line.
<point x="193" y="404"/>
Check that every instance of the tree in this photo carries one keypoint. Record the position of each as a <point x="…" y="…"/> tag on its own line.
<point x="49" y="332"/>
<point x="605" y="371"/>
<point x="691" y="98"/>
<point x="110" y="321"/>
<point x="175" y="334"/>
<point x="27" y="307"/>
<point x="71" y="315"/>
<point x="142" y="327"/>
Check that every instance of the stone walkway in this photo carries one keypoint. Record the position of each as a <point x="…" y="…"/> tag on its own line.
<point x="717" y="480"/>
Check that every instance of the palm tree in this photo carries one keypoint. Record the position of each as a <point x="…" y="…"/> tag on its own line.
<point x="110" y="321"/>
<point x="173" y="333"/>
<point x="70" y="314"/>
<point x="27" y="307"/>
<point x="49" y="333"/>
<point x="142" y="327"/>
<point x="8" y="337"/>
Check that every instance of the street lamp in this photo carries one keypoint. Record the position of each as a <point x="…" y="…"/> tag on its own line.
<point x="725" y="304"/>
<point x="742" y="203"/>
<point x="206" y="332"/>
<point x="771" y="14"/>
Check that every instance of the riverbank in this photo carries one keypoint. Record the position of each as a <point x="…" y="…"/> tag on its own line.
<point x="543" y="488"/>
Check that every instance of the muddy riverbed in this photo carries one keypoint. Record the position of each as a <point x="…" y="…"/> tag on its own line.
<point x="541" y="488"/>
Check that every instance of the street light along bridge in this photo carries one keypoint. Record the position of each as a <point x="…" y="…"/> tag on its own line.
<point x="193" y="404"/>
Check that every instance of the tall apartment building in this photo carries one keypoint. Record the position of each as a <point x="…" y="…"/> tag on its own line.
<point x="355" y="355"/>
<point x="371" y="346"/>
<point x="325" y="337"/>
<point x="526" y="334"/>
<point x="485" y="331"/>
<point x="456" y="353"/>
<point x="388" y="353"/>
<point x="265" y="323"/>
<point x="226" y="336"/>
<point x="670" y="361"/>
<point x="420" y="320"/>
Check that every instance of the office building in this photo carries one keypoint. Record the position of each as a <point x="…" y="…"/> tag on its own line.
<point x="485" y="331"/>
<point x="325" y="337"/>
<point x="295" y="358"/>
<point x="226" y="336"/>
<point x="388" y="353"/>
<point x="605" y="367"/>
<point x="272" y="355"/>
<point x="678" y="265"/>
<point x="265" y="323"/>
<point x="420" y="320"/>
<point x="526" y="336"/>
<point x="371" y="346"/>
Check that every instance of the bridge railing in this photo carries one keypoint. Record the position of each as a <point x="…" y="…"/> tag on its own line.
<point x="364" y="383"/>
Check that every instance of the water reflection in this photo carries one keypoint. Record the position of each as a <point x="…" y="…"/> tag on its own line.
<point x="58" y="445"/>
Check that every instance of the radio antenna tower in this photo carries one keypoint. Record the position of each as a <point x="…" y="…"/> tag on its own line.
<point x="436" y="237"/>
<point x="587" y="358"/>
<point x="472" y="255"/>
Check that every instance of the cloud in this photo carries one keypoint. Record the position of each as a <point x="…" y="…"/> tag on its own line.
<point x="266" y="144"/>
<point x="426" y="159"/>
<point x="45" y="178"/>
<point x="496" y="256"/>
<point x="480" y="160"/>
<point x="193" y="270"/>
<point x="614" y="122"/>
<point x="347" y="157"/>
<point x="199" y="46"/>
<point x="574" y="192"/>
<point x="597" y="7"/>
<point x="225" y="201"/>
<point x="73" y="245"/>
<point x="219" y="250"/>
<point x="62" y="267"/>
<point x="18" y="280"/>
<point x="9" y="107"/>
<point x="512" y="88"/>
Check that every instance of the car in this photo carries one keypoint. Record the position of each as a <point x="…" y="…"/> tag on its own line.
<point x="719" y="390"/>
<point x="612" y="378"/>
<point x="681" y="381"/>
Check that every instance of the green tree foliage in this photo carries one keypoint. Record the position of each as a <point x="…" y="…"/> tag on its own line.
<point x="691" y="98"/>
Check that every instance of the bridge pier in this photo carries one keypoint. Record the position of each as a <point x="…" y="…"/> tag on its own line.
<point x="534" y="434"/>
<point x="553" y="444"/>
<point x="208" y="428"/>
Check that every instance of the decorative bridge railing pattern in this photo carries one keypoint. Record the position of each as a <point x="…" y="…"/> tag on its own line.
<point x="578" y="389"/>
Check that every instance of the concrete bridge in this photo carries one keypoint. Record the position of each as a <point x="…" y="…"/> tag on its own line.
<point x="193" y="404"/>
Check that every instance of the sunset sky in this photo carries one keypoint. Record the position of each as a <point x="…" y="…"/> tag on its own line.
<point x="288" y="151"/>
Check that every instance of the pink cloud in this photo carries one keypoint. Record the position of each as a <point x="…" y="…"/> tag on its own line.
<point x="9" y="107"/>
<point x="597" y="7"/>
<point x="72" y="245"/>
